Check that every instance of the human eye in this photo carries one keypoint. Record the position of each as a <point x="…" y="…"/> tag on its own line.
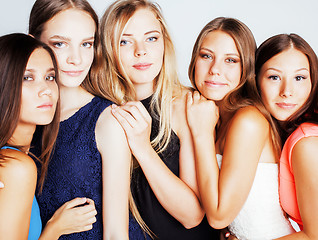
<point x="152" y="39"/>
<point x="58" y="44"/>
<point x="231" y="60"/>
<point x="206" y="56"/>
<point x="50" y="78"/>
<point x="299" y="78"/>
<point x="27" y="77"/>
<point x="123" y="42"/>
<point x="88" y="44"/>
<point x="274" y="77"/>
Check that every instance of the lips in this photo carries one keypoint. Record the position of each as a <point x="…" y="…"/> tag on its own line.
<point x="286" y="105"/>
<point x="73" y="73"/>
<point x="142" y="66"/>
<point x="45" y="106"/>
<point x="215" y="83"/>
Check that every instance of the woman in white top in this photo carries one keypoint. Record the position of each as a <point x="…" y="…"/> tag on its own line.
<point x="235" y="126"/>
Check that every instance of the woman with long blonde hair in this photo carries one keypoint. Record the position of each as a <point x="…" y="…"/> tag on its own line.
<point x="139" y="65"/>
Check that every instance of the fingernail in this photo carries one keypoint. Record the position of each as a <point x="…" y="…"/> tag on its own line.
<point x="227" y="234"/>
<point x="1" y="185"/>
<point x="114" y="105"/>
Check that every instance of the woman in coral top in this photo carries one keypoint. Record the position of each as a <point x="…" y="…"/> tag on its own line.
<point x="287" y="72"/>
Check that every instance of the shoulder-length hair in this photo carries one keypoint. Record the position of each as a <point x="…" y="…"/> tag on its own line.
<point x="119" y="88"/>
<point x="15" y="51"/>
<point x="44" y="10"/>
<point x="275" y="45"/>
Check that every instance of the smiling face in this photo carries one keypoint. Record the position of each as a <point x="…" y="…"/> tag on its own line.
<point x="218" y="66"/>
<point x="70" y="34"/>
<point x="141" y="50"/>
<point x="39" y="90"/>
<point x="285" y="83"/>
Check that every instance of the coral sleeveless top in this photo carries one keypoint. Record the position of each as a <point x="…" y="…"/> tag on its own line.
<point x="287" y="190"/>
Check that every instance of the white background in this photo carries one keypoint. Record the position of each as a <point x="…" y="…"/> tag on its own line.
<point x="185" y="19"/>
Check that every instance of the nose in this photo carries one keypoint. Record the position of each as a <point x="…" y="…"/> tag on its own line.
<point x="215" y="67"/>
<point x="286" y="89"/>
<point x="45" y="89"/>
<point x="74" y="56"/>
<point x="140" y="50"/>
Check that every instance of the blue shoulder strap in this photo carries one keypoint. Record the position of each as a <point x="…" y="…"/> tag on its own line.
<point x="7" y="147"/>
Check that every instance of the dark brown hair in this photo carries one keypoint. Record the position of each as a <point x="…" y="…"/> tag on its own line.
<point x="275" y="45"/>
<point x="44" y="10"/>
<point x="15" y="51"/>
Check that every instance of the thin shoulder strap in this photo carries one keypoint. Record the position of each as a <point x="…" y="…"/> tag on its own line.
<point x="8" y="147"/>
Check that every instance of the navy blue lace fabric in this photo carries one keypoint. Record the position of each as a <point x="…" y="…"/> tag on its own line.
<point x="75" y="170"/>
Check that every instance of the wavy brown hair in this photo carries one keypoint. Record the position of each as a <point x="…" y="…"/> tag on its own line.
<point x="15" y="51"/>
<point x="275" y="45"/>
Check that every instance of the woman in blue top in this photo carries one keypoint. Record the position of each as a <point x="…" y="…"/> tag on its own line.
<point x="29" y="97"/>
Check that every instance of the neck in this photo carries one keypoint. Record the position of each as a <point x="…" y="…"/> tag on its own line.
<point x="143" y="90"/>
<point x="22" y="136"/>
<point x="71" y="99"/>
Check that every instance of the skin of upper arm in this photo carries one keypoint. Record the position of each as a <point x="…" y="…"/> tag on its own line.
<point x="186" y="158"/>
<point x="116" y="159"/>
<point x="305" y="168"/>
<point x="244" y="144"/>
<point x="19" y="175"/>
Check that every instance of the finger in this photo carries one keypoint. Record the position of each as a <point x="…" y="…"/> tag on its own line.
<point x="142" y="110"/>
<point x="75" y="202"/>
<point x="124" y="118"/>
<point x="196" y="96"/>
<point x="134" y="111"/>
<point x="189" y="100"/>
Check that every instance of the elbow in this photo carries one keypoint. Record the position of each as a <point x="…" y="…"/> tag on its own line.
<point x="217" y="222"/>
<point x="192" y="221"/>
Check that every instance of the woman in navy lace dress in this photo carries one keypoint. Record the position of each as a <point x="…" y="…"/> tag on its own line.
<point x="91" y="157"/>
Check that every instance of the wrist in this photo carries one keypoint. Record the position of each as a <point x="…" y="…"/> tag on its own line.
<point x="51" y="230"/>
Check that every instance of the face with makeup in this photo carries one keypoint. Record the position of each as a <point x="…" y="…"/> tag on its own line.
<point x="218" y="66"/>
<point x="39" y="90"/>
<point x="284" y="82"/>
<point x="141" y="50"/>
<point x="70" y="34"/>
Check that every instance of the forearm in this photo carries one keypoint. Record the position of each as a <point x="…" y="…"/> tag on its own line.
<point x="173" y="194"/>
<point x="208" y="175"/>
<point x="50" y="232"/>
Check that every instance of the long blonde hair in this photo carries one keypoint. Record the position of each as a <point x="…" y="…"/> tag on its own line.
<point x="116" y="84"/>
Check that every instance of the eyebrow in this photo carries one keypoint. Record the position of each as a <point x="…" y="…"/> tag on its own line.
<point x="228" y="54"/>
<point x="153" y="31"/>
<point x="68" y="39"/>
<point x="33" y="70"/>
<point x="275" y="69"/>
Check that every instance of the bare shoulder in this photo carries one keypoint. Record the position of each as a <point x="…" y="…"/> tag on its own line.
<point x="107" y="123"/>
<point x="18" y="172"/>
<point x="250" y="119"/>
<point x="110" y="136"/>
<point x="17" y="166"/>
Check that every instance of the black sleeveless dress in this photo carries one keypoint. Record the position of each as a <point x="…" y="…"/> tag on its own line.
<point x="155" y="216"/>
